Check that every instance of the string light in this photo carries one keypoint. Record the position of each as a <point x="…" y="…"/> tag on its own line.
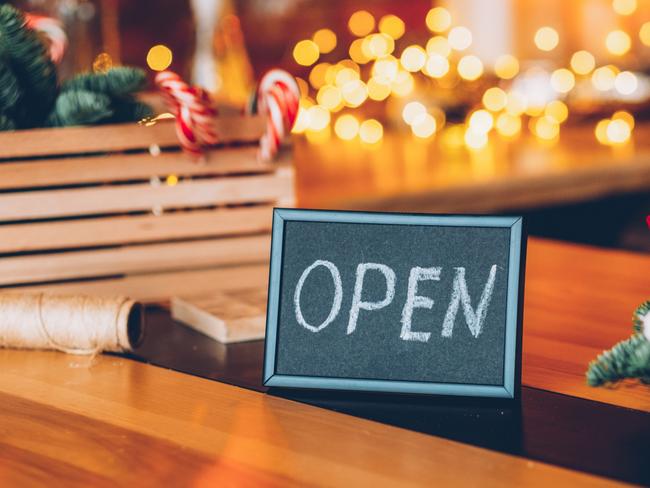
<point x="330" y="97"/>
<point x="624" y="7"/>
<point x="603" y="78"/>
<point x="392" y="26"/>
<point x="495" y="99"/>
<point x="627" y="117"/>
<point x="506" y="66"/>
<point x="306" y="52"/>
<point x="361" y="23"/>
<point x="470" y="67"/>
<point x="625" y="83"/>
<point x="508" y="125"/>
<point x="438" y="45"/>
<point x="354" y="93"/>
<point x="460" y="38"/>
<point x="378" y="45"/>
<point x="411" y="110"/>
<point x="385" y="70"/>
<point x="159" y="57"/>
<point x="618" y="132"/>
<point x="357" y="52"/>
<point x="423" y="126"/>
<point x="583" y="62"/>
<point x="438" y="19"/>
<point x="317" y="75"/>
<point x="346" y="127"/>
<point x="371" y="131"/>
<point x="562" y="80"/>
<point x="546" y="38"/>
<point x="481" y="121"/>
<point x="618" y="42"/>
<point x="436" y="66"/>
<point x="557" y="110"/>
<point x="325" y="39"/>
<point x="413" y="58"/>
<point x="378" y="91"/>
<point x="345" y="75"/>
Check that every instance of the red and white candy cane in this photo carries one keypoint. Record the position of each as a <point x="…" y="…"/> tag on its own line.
<point x="53" y="31"/>
<point x="194" y="111"/>
<point x="278" y="96"/>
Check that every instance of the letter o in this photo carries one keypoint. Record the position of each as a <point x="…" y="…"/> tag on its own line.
<point x="338" y="295"/>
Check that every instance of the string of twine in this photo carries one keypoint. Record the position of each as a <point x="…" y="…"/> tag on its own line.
<point x="75" y="324"/>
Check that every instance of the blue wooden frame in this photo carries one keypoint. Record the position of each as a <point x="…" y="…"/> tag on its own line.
<point x="516" y="266"/>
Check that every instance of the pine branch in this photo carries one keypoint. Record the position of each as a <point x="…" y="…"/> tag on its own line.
<point x="30" y="63"/>
<point x="627" y="359"/>
<point x="6" y="123"/>
<point x="116" y="82"/>
<point x="80" y="107"/>
<point x="639" y="313"/>
<point x="130" y="110"/>
<point x="9" y="90"/>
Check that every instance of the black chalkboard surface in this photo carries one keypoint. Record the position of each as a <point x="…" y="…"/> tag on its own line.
<point x="409" y="303"/>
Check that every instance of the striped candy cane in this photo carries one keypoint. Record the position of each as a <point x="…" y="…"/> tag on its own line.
<point x="53" y="31"/>
<point x="278" y="97"/>
<point x="194" y="111"/>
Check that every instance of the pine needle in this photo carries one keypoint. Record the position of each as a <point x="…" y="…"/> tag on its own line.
<point x="80" y="107"/>
<point x="116" y="82"/>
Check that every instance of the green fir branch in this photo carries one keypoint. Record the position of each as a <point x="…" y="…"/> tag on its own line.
<point x="639" y="313"/>
<point x="627" y="359"/>
<point x="130" y="110"/>
<point x="10" y="92"/>
<point x="80" y="107"/>
<point x="117" y="82"/>
<point x="6" y="123"/>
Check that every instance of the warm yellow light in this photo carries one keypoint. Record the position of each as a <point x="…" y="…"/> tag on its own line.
<point x="392" y="26"/>
<point x="302" y="118"/>
<point x="159" y="57"/>
<point x="361" y="23"/>
<point x="603" y="78"/>
<point x="627" y="117"/>
<point x="460" y="38"/>
<point x="321" y="136"/>
<point x="618" y="42"/>
<point x="354" y="93"/>
<point x="546" y="38"/>
<point x="357" y="53"/>
<point x="470" y="67"/>
<point x="506" y="66"/>
<point x="495" y="99"/>
<point x="319" y="117"/>
<point x="481" y="121"/>
<point x="378" y="91"/>
<point x="624" y="7"/>
<point x="601" y="131"/>
<point x="508" y="125"/>
<point x="385" y="69"/>
<point x="562" y="80"/>
<point x="438" y="19"/>
<point x="452" y="138"/>
<point x="413" y="58"/>
<point x="424" y="125"/>
<point x="475" y="140"/>
<point x="345" y="75"/>
<point x="618" y="132"/>
<point x="626" y="83"/>
<point x="378" y="45"/>
<point x="436" y="66"/>
<point x="371" y="131"/>
<point x="517" y="103"/>
<point x="306" y="52"/>
<point x="438" y="45"/>
<point x="317" y="75"/>
<point x="644" y="33"/>
<point x="557" y="110"/>
<point x="325" y="39"/>
<point x="303" y="87"/>
<point x="346" y="127"/>
<point x="403" y="84"/>
<point x="330" y="97"/>
<point x="411" y="110"/>
<point x="171" y="180"/>
<point x="545" y="128"/>
<point x="583" y="62"/>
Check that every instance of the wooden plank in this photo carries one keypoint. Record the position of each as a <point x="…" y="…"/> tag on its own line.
<point x="134" y="259"/>
<point x="278" y="441"/>
<point x="118" y="137"/>
<point x="158" y="287"/>
<point x="124" y="198"/>
<point x="134" y="229"/>
<point x="122" y="167"/>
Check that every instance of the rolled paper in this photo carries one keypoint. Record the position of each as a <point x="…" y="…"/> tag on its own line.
<point x="75" y="324"/>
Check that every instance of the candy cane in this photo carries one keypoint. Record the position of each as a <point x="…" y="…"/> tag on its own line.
<point x="278" y="97"/>
<point x="194" y="111"/>
<point x="53" y="31"/>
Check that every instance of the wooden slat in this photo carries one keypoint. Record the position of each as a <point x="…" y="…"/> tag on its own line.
<point x="134" y="229"/>
<point x="114" y="199"/>
<point x="122" y="167"/>
<point x="134" y="259"/>
<point x="119" y="137"/>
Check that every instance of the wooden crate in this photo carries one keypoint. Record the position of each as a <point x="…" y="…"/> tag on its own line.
<point x="92" y="209"/>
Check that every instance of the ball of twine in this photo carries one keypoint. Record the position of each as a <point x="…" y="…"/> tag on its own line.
<point x="74" y="324"/>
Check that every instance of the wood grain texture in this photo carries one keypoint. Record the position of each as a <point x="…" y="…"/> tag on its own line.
<point x="119" y="137"/>
<point x="89" y="411"/>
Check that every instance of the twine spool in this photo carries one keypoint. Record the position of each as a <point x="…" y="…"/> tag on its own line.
<point x="74" y="324"/>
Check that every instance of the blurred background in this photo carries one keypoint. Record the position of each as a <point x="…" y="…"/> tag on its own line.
<point x="463" y="106"/>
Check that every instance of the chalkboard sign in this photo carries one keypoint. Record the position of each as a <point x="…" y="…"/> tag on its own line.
<point x="408" y="303"/>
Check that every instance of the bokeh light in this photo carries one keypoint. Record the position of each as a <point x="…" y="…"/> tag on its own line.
<point x="325" y="39"/>
<point x="562" y="80"/>
<point x="508" y="125"/>
<point x="618" y="132"/>
<point x="371" y="131"/>
<point x="495" y="99"/>
<point x="626" y="83"/>
<point x="506" y="66"/>
<point x="481" y="121"/>
<point x="319" y="117"/>
<point x="306" y="52"/>
<point x="378" y="91"/>
<point x="546" y="38"/>
<point x="470" y="67"/>
<point x="618" y="42"/>
<point x="436" y="66"/>
<point x="583" y="62"/>
<point x="423" y="125"/>
<point x="438" y="45"/>
<point x="413" y="58"/>
<point x="159" y="57"/>
<point x="361" y="23"/>
<point x="557" y="110"/>
<point x="644" y="33"/>
<point x="392" y="26"/>
<point x="460" y="38"/>
<point x="411" y="110"/>
<point x="438" y="19"/>
<point x="346" y="127"/>
<point x="603" y="78"/>
<point x="624" y="7"/>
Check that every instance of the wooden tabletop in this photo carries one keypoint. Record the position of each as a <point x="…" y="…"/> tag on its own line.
<point x="110" y="420"/>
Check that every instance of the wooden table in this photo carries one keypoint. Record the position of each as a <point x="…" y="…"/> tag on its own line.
<point x="109" y="420"/>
